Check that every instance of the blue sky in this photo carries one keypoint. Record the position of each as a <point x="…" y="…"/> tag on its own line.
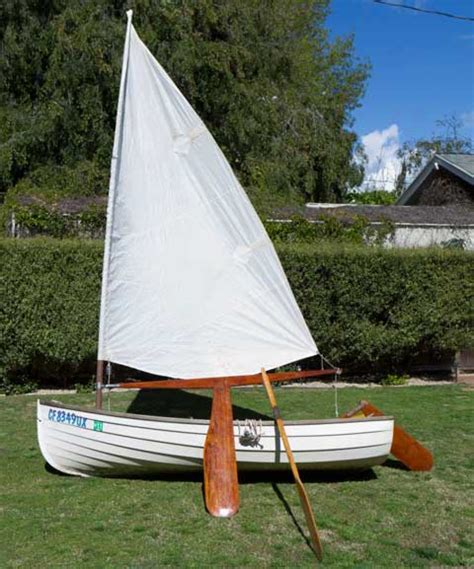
<point x="422" y="70"/>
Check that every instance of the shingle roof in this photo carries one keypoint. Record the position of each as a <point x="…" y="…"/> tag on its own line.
<point x="463" y="161"/>
<point x="409" y="214"/>
<point x="66" y="205"/>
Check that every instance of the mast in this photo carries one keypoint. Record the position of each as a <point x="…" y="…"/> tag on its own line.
<point x="114" y="170"/>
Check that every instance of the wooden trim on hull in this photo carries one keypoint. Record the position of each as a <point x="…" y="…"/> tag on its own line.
<point x="93" y="411"/>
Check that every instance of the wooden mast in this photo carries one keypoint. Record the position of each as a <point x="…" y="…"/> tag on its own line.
<point x="114" y="172"/>
<point x="99" y="383"/>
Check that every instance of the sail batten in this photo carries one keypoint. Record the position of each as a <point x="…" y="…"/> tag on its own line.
<point x="192" y="286"/>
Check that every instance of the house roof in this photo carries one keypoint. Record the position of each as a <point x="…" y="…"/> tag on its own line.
<point x="460" y="165"/>
<point x="464" y="162"/>
<point x="407" y="214"/>
<point x="65" y="205"/>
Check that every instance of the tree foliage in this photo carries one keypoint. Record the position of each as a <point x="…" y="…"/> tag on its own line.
<point x="372" y="197"/>
<point x="274" y="90"/>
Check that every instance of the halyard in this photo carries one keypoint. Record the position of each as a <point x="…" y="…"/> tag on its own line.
<point x="387" y="517"/>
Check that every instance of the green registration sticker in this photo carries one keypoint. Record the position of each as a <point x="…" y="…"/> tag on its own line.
<point x="98" y="426"/>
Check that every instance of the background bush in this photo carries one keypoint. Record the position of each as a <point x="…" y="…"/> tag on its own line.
<point x="369" y="309"/>
<point x="374" y="309"/>
<point x="49" y="310"/>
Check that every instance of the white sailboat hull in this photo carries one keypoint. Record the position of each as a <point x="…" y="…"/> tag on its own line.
<point x="85" y="442"/>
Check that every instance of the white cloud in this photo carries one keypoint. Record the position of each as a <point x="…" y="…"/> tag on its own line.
<point x="383" y="165"/>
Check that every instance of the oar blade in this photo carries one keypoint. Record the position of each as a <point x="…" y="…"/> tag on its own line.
<point x="310" y="521"/>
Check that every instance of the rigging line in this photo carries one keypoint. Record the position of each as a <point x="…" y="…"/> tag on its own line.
<point x="337" y="373"/>
<point x="415" y="9"/>
<point x="336" y="369"/>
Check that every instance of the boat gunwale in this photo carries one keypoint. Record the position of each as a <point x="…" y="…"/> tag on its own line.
<point x="206" y="421"/>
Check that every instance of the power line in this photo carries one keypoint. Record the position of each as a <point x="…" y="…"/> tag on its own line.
<point x="434" y="12"/>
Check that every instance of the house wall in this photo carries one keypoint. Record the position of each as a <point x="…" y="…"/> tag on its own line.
<point x="407" y="236"/>
<point x="443" y="188"/>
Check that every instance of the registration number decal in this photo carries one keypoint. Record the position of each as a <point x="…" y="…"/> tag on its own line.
<point x="60" y="416"/>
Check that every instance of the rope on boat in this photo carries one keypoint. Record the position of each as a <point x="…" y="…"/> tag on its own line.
<point x="252" y="433"/>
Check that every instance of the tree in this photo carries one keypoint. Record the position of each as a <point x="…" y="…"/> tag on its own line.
<point x="263" y="75"/>
<point x="372" y="197"/>
<point x="414" y="154"/>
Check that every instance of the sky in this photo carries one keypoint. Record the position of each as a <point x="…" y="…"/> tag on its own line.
<point x="422" y="71"/>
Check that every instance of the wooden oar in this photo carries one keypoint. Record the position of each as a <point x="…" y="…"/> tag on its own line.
<point x="308" y="512"/>
<point x="221" y="486"/>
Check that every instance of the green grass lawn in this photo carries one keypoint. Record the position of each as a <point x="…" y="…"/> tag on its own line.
<point x="388" y="517"/>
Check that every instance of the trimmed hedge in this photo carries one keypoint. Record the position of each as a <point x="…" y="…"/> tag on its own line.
<point x="374" y="309"/>
<point x="49" y="311"/>
<point x="368" y="308"/>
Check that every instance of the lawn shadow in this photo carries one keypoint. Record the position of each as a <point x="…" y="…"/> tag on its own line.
<point x="395" y="464"/>
<point x="265" y="477"/>
<point x="290" y="513"/>
<point x="307" y="476"/>
<point x="183" y="404"/>
<point x="51" y="470"/>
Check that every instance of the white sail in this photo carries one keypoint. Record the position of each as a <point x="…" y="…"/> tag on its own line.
<point x="192" y="286"/>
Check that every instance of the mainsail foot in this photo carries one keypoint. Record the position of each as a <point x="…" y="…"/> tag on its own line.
<point x="221" y="485"/>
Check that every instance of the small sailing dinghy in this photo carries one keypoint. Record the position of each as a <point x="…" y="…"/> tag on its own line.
<point x="192" y="290"/>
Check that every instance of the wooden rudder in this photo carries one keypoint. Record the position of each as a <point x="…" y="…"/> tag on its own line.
<point x="404" y="447"/>
<point x="221" y="486"/>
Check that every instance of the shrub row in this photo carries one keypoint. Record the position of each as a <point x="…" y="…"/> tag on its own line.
<point x="380" y="309"/>
<point x="368" y="308"/>
<point x="49" y="310"/>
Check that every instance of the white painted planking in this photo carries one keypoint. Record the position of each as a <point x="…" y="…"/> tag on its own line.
<point x="143" y="445"/>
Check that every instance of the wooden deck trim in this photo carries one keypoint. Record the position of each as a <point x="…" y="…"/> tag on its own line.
<point x="268" y="423"/>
